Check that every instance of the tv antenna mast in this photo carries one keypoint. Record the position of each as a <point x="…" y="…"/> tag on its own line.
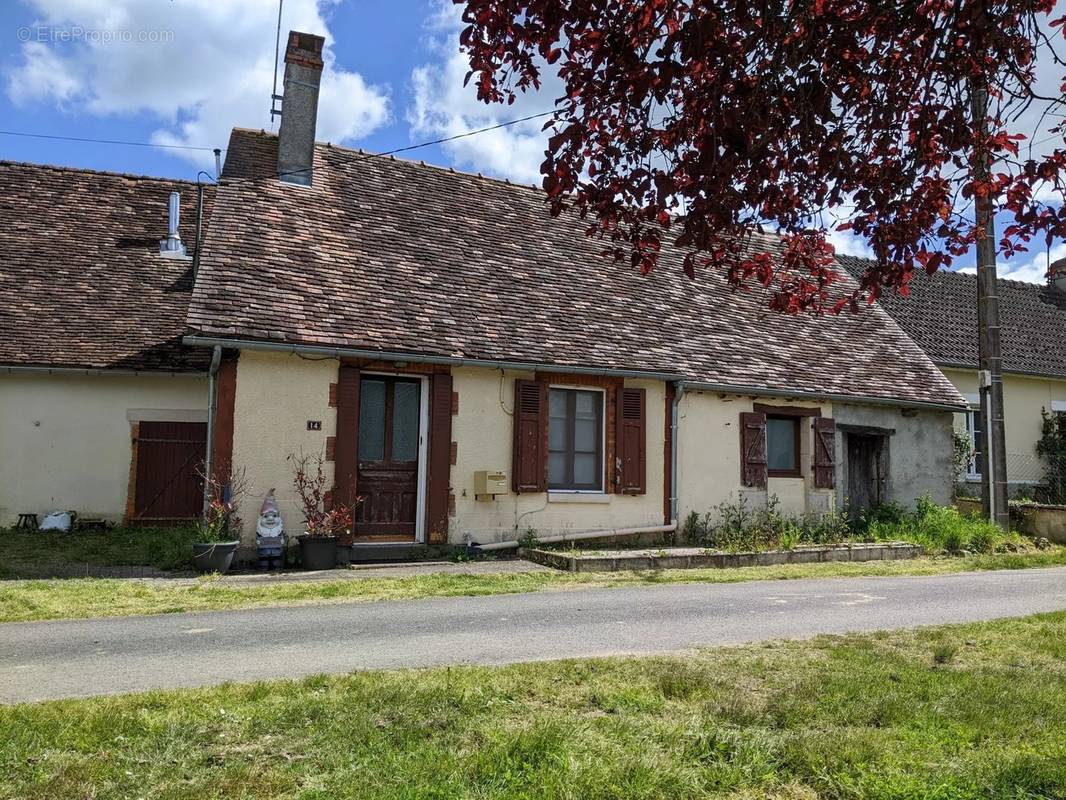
<point x="274" y="96"/>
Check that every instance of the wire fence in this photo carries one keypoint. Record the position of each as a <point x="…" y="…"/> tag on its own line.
<point x="1030" y="478"/>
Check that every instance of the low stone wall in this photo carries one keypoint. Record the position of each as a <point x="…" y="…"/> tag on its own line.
<point x="1041" y="520"/>
<point x="697" y="558"/>
<point x="1035" y="519"/>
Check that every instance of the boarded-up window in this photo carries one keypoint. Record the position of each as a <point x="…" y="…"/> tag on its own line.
<point x="824" y="453"/>
<point x="632" y="442"/>
<point x="529" y="464"/>
<point x="753" y="449"/>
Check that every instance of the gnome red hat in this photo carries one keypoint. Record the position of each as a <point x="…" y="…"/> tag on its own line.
<point x="269" y="504"/>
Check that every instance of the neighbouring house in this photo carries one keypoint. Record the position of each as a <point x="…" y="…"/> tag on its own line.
<point x="103" y="410"/>
<point x="473" y="368"/>
<point x="940" y="315"/>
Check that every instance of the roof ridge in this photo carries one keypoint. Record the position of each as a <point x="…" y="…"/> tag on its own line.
<point x="358" y="151"/>
<point x="90" y="171"/>
<point x="957" y="273"/>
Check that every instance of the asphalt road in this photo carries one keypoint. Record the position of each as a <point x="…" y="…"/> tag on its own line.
<point x="42" y="660"/>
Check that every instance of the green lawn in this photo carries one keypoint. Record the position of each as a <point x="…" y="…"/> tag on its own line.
<point x="95" y="597"/>
<point x="33" y="554"/>
<point x="974" y="711"/>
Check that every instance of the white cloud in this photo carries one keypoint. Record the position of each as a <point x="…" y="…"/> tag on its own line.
<point x="1031" y="270"/>
<point x="442" y="106"/>
<point x="206" y="66"/>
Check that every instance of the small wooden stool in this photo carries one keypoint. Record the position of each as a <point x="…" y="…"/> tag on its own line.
<point x="27" y="522"/>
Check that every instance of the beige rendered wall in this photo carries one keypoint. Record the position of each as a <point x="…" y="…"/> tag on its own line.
<point x="65" y="440"/>
<point x="277" y="393"/>
<point x="483" y="432"/>
<point x="1023" y="397"/>
<point x="709" y="457"/>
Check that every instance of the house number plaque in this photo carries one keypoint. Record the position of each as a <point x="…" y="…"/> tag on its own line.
<point x="314" y="424"/>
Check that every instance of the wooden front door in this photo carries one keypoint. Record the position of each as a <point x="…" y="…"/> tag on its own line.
<point x="389" y="438"/>
<point x="866" y="470"/>
<point x="168" y="486"/>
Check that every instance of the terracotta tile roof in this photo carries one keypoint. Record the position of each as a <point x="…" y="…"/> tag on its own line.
<point x="82" y="283"/>
<point x="395" y="256"/>
<point x="941" y="316"/>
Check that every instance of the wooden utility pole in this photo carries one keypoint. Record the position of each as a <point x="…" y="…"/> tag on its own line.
<point x="994" y="457"/>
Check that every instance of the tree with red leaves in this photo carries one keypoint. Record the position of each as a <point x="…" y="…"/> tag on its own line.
<point x="705" y="121"/>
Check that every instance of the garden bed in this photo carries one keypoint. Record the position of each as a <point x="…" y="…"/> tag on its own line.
<point x="701" y="558"/>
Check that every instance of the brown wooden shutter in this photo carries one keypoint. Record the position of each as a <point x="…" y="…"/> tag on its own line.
<point x="632" y="442"/>
<point x="440" y="458"/>
<point x="346" y="446"/>
<point x="825" y="429"/>
<point x="529" y="466"/>
<point x="753" y="449"/>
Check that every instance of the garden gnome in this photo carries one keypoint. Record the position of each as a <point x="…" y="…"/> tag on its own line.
<point x="270" y="534"/>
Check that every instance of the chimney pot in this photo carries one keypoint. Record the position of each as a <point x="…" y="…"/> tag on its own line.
<point x="299" y="107"/>
<point x="1057" y="275"/>
<point x="172" y="246"/>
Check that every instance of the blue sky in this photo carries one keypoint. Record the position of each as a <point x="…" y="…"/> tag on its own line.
<point x="183" y="72"/>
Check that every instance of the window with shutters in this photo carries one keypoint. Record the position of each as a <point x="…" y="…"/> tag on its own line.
<point x="575" y="440"/>
<point x="782" y="447"/>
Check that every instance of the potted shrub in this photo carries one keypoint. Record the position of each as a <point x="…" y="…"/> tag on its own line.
<point x="220" y="528"/>
<point x="324" y="522"/>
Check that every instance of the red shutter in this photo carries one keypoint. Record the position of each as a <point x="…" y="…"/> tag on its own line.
<point x="529" y="466"/>
<point x="346" y="446"/>
<point x="440" y="458"/>
<point x="632" y="442"/>
<point x="753" y="449"/>
<point x="825" y="429"/>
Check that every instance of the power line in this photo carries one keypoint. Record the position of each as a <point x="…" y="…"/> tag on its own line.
<point x="102" y="141"/>
<point x="128" y="143"/>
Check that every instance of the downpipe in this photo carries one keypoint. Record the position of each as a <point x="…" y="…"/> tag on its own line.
<point x="212" y="380"/>
<point x="474" y="547"/>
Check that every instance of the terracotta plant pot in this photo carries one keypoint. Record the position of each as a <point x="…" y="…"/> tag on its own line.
<point x="318" y="552"/>
<point x="213" y="556"/>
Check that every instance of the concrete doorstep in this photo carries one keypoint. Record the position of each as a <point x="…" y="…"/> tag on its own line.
<point x="703" y="558"/>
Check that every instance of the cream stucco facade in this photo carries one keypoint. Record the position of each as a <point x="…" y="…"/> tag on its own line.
<point x="483" y="432"/>
<point x="66" y="438"/>
<point x="709" y="457"/>
<point x="1023" y="398"/>
<point x="278" y="394"/>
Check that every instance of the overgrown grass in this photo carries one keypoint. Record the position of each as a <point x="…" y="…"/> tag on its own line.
<point x="738" y="526"/>
<point x="96" y="597"/>
<point x="937" y="529"/>
<point x="33" y="553"/>
<point x="974" y="711"/>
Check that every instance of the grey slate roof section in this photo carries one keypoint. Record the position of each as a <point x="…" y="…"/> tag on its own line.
<point x="82" y="284"/>
<point x="941" y="316"/>
<point x="394" y="256"/>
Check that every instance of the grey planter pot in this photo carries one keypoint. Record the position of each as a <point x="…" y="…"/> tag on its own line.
<point x="344" y="555"/>
<point x="213" y="556"/>
<point x="318" y="552"/>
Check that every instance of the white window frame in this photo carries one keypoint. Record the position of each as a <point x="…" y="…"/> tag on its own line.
<point x="603" y="437"/>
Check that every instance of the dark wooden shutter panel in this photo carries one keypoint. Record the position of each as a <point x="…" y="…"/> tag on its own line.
<point x="753" y="449"/>
<point x="346" y="446"/>
<point x="440" y="458"/>
<point x="631" y="433"/>
<point x="825" y="429"/>
<point x="530" y="466"/>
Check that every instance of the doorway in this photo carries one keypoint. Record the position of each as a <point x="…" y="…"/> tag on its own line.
<point x="867" y="470"/>
<point x="391" y="458"/>
<point x="167" y="458"/>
